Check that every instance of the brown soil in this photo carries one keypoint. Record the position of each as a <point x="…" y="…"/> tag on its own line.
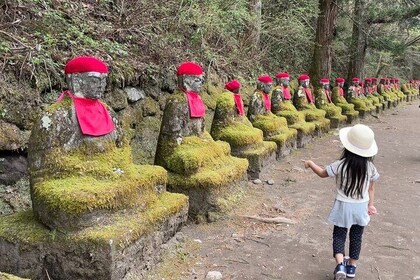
<point x="241" y="248"/>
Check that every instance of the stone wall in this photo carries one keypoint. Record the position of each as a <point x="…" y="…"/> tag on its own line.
<point x="139" y="105"/>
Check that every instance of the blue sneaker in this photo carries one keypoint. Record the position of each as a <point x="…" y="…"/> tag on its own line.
<point x="351" y="271"/>
<point x="340" y="272"/>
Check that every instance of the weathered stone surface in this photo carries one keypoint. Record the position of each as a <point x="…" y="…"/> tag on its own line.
<point x="168" y="80"/>
<point x="145" y="140"/>
<point x="117" y="99"/>
<point x="19" y="103"/>
<point x="12" y="138"/>
<point x="15" y="197"/>
<point x="134" y="94"/>
<point x="12" y="168"/>
<point x="150" y="107"/>
<point x="127" y="245"/>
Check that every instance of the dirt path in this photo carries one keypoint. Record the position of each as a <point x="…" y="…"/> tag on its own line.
<point x="241" y="248"/>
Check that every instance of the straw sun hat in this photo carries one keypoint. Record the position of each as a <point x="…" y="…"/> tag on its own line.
<point x="359" y="139"/>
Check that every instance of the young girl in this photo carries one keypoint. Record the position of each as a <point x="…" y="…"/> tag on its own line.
<point x="355" y="181"/>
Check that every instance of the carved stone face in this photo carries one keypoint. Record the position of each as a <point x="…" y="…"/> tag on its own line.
<point x="340" y="84"/>
<point x="88" y="85"/>
<point x="304" y="83"/>
<point x="285" y="81"/>
<point x="264" y="87"/>
<point x="325" y="85"/>
<point x="191" y="83"/>
<point x="355" y="83"/>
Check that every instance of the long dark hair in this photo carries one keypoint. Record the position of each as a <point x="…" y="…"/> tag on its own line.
<point x="354" y="170"/>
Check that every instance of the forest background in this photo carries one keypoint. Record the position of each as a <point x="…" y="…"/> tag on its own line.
<point x="143" y="41"/>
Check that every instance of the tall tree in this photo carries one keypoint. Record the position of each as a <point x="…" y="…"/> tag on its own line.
<point x="325" y="31"/>
<point x="358" y="42"/>
<point x="256" y="8"/>
<point x="363" y="21"/>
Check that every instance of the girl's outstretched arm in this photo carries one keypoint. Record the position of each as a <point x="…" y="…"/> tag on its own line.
<point x="371" y="208"/>
<point x="321" y="172"/>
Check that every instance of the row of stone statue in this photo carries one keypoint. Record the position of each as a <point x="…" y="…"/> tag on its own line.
<point x="84" y="183"/>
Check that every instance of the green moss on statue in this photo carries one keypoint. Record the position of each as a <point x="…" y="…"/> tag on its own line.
<point x="331" y="111"/>
<point x="127" y="226"/>
<point x="285" y="108"/>
<point x="5" y="276"/>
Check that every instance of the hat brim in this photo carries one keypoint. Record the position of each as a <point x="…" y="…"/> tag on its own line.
<point x="373" y="150"/>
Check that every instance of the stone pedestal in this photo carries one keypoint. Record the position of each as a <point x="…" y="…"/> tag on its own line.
<point x="303" y="139"/>
<point x="129" y="242"/>
<point x="258" y="158"/>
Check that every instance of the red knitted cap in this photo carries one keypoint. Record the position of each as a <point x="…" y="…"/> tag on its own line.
<point x="303" y="77"/>
<point x="232" y="85"/>
<point x="83" y="64"/>
<point x="374" y="79"/>
<point x="324" y="81"/>
<point x="265" y="79"/>
<point x="282" y="75"/>
<point x="340" y="80"/>
<point x="355" y="80"/>
<point x="368" y="80"/>
<point x="189" y="68"/>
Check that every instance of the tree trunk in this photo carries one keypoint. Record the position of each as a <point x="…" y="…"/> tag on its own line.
<point x="358" y="43"/>
<point x="256" y="9"/>
<point x="325" y="31"/>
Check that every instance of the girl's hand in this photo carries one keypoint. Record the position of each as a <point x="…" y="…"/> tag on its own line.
<point x="372" y="210"/>
<point x="306" y="163"/>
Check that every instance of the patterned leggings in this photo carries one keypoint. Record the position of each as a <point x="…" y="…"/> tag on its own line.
<point x="339" y="240"/>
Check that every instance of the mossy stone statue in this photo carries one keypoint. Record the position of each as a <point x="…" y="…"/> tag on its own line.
<point x="92" y="207"/>
<point x="198" y="166"/>
<point x="274" y="128"/>
<point x="231" y="125"/>
<point x="339" y="100"/>
<point x="304" y="101"/>
<point x="282" y="106"/>
<point x="355" y="97"/>
<point x="323" y="100"/>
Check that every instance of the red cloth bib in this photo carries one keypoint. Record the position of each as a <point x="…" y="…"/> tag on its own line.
<point x="92" y="115"/>
<point x="267" y="101"/>
<point x="341" y="91"/>
<point x="196" y="105"/>
<point x="309" y="95"/>
<point x="239" y="103"/>
<point x="286" y="93"/>
<point x="375" y="88"/>
<point x="327" y="94"/>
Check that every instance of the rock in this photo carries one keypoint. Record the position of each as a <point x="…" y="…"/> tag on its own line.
<point x="12" y="138"/>
<point x="270" y="182"/>
<point x="134" y="94"/>
<point x="168" y="81"/>
<point x="299" y="169"/>
<point x="417" y="181"/>
<point x="180" y="237"/>
<point x="214" y="275"/>
<point x="257" y="182"/>
<point x="150" y="107"/>
<point x="117" y="99"/>
<point x="12" y="168"/>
